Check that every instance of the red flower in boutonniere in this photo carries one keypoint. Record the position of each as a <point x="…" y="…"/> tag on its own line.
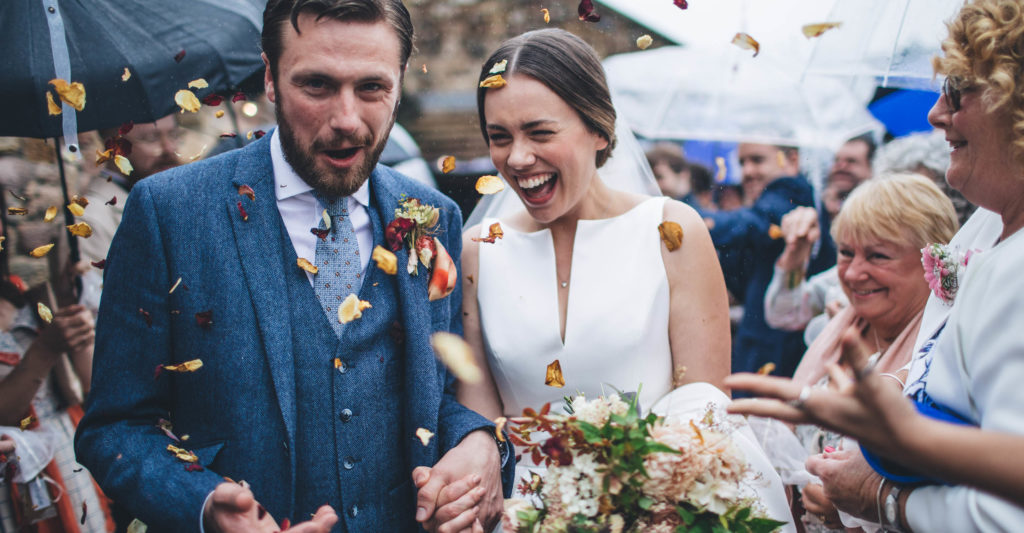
<point x="413" y="228"/>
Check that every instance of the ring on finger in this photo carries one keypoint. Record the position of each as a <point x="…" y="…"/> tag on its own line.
<point x="805" y="393"/>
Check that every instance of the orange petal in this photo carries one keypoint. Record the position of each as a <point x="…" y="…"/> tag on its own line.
<point x="494" y="233"/>
<point x="386" y="260"/>
<point x="671" y="234"/>
<point x="424" y="435"/>
<point x="51" y="213"/>
<point x="246" y="190"/>
<point x="44" y="312"/>
<point x="72" y="94"/>
<point x="499" y="427"/>
<point x="51" y="107"/>
<point x="746" y="42"/>
<point x="456" y="354"/>
<point x="103" y="157"/>
<point x="80" y="200"/>
<point x="17" y="211"/>
<point x="443" y="278"/>
<point x="547" y="15"/>
<point x="489" y="184"/>
<point x="41" y="250"/>
<point x="198" y="83"/>
<point x="446" y="163"/>
<point x="219" y="113"/>
<point x="127" y="75"/>
<point x="304" y="264"/>
<point x="644" y="41"/>
<point x="424" y="68"/>
<point x="494" y="82"/>
<point x="187" y="366"/>
<point x="123" y="164"/>
<point x="766" y="369"/>
<point x="352" y="308"/>
<point x="80" y="229"/>
<point x="774" y="232"/>
<point x="554" y="377"/>
<point x="815" y="30"/>
<point x="187" y="101"/>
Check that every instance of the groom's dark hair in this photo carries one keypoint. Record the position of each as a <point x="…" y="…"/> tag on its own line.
<point x="278" y="12"/>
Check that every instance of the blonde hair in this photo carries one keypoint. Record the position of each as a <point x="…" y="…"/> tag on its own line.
<point x="901" y="208"/>
<point x="985" y="46"/>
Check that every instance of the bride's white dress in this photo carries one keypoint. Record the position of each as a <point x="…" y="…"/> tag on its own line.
<point x="616" y="331"/>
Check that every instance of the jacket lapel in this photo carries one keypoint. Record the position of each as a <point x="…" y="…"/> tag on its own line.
<point x="262" y="264"/>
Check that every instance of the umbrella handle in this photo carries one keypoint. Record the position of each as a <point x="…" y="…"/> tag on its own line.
<point x="73" y="254"/>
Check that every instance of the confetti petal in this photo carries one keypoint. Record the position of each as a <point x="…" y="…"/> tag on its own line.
<point x="214" y="100"/>
<point x="204" y="319"/>
<point x="424" y="435"/>
<point x="586" y="11"/>
<point x="352" y="309"/>
<point x="17" y="211"/>
<point x="187" y="101"/>
<point x="41" y="250"/>
<point x="51" y="106"/>
<point x="766" y="369"/>
<point x="219" y="113"/>
<point x="386" y="260"/>
<point x="499" y="428"/>
<point x="243" y="212"/>
<point x="125" y="128"/>
<point x="198" y="83"/>
<point x="51" y="213"/>
<point x="547" y="15"/>
<point x="671" y="234"/>
<point x="179" y="56"/>
<point x="72" y="94"/>
<point x="26" y="422"/>
<point x="746" y="42"/>
<point x="44" y="312"/>
<point x="238" y="97"/>
<point x="775" y="232"/>
<point x="815" y="30"/>
<point x="123" y="164"/>
<point x="494" y="232"/>
<point x="182" y="454"/>
<point x="304" y="264"/>
<point x="720" y="174"/>
<point x="644" y="41"/>
<point x="424" y="68"/>
<point x="681" y="4"/>
<point x="76" y="209"/>
<point x="446" y="163"/>
<point x="553" y="377"/>
<point x="127" y="75"/>
<point x="80" y="229"/>
<point x="499" y="67"/>
<point x="456" y="354"/>
<point x="246" y="190"/>
<point x="101" y="264"/>
<point x="489" y="184"/>
<point x="320" y="233"/>
<point x="175" y="286"/>
<point x="493" y="82"/>
<point x="187" y="366"/>
<point x="445" y="275"/>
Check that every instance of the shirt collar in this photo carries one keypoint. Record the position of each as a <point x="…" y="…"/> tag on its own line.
<point x="289" y="183"/>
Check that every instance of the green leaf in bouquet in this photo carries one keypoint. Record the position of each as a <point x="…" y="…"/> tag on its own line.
<point x="528" y="519"/>
<point x="743" y="514"/>
<point x="764" y="525"/>
<point x="645" y="503"/>
<point x="657" y="447"/>
<point x="685" y="514"/>
<point x="590" y="432"/>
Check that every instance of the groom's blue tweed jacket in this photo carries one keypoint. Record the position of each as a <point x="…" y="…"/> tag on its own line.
<point x="240" y="409"/>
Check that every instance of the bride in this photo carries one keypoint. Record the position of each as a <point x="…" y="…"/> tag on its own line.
<point x="581" y="279"/>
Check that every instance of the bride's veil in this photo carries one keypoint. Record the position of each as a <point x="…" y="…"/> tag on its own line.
<point x="626" y="170"/>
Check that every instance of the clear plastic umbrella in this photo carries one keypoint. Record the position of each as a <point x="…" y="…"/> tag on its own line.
<point x="723" y="94"/>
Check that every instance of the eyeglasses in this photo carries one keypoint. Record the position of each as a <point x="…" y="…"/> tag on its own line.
<point x="952" y="89"/>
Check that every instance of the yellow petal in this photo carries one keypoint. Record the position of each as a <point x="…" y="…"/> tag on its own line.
<point x="644" y="41"/>
<point x="44" y="312"/>
<point x="489" y="184"/>
<point x="424" y="435"/>
<point x="775" y="232"/>
<point x="352" y="309"/>
<point x="746" y="42"/>
<point x="103" y="157"/>
<point x="2" y="239"/>
<point x="720" y="174"/>
<point x="219" y="113"/>
<point x="175" y="286"/>
<point x="547" y="15"/>
<point x="123" y="164"/>
<point x="51" y="106"/>
<point x="499" y="427"/>
<point x="456" y="354"/>
<point x="26" y="422"/>
<point x="386" y="260"/>
<point x="182" y="454"/>
<point x="73" y="94"/>
<point x="424" y="68"/>
<point x="187" y="366"/>
<point x="186" y="100"/>
<point x="326" y="218"/>
<point x="41" y="250"/>
<point x="494" y="82"/>
<point x="127" y="75"/>
<point x="498" y="67"/>
<point x="51" y="213"/>
<point x="446" y="163"/>
<point x="671" y="234"/>
<point x="198" y="83"/>
<point x="553" y="377"/>
<point x="17" y="211"/>
<point x="304" y="264"/>
<point x="80" y="229"/>
<point x="76" y="209"/>
<point x="815" y="30"/>
<point x="766" y="369"/>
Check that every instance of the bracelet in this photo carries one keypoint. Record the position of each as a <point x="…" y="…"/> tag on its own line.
<point x="878" y="504"/>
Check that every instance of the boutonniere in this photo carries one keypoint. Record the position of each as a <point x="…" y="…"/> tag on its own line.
<point x="413" y="228"/>
<point x="942" y="268"/>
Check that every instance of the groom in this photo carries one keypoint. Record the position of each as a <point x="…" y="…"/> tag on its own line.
<point x="290" y="410"/>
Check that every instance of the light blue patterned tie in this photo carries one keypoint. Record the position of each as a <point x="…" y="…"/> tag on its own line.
<point x="337" y="258"/>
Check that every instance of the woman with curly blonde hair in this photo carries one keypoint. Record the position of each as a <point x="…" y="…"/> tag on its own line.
<point x="970" y="371"/>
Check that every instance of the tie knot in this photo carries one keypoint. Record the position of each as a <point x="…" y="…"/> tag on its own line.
<point x="335" y="205"/>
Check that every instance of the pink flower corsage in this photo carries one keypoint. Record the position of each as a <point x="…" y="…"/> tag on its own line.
<point x="942" y="268"/>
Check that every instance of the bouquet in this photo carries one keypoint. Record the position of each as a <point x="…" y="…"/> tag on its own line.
<point x="609" y="469"/>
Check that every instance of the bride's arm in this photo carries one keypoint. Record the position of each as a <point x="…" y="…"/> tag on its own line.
<point x="481" y="397"/>
<point x="698" y="307"/>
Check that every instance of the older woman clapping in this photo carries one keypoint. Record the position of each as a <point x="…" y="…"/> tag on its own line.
<point x="976" y="363"/>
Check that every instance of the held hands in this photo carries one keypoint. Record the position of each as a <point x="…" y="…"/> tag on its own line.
<point x="462" y="492"/>
<point x="800" y="228"/>
<point x="233" y="508"/>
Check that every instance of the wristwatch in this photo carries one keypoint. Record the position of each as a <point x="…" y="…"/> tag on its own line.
<point x="892" y="510"/>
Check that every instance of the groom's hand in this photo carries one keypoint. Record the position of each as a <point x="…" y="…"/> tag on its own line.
<point x="462" y="492"/>
<point x="233" y="507"/>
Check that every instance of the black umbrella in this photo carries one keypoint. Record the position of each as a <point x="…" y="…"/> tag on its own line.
<point x="163" y="46"/>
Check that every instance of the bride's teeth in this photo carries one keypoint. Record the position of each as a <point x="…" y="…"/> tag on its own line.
<point x="536" y="181"/>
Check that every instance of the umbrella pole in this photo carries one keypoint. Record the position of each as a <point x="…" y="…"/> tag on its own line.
<point x="73" y="254"/>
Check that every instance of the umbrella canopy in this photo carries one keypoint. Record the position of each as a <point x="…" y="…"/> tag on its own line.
<point x="98" y="39"/>
<point x="722" y="94"/>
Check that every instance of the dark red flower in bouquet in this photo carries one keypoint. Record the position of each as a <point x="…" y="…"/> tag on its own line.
<point x="555" y="448"/>
<point x="396" y="231"/>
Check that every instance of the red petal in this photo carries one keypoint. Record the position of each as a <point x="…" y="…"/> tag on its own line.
<point x="681" y="4"/>
<point x="586" y="11"/>
<point x="179" y="56"/>
<point x="212" y="99"/>
<point x="145" y="315"/>
<point x="245" y="215"/>
<point x="322" y="233"/>
<point x="101" y="264"/>
<point x="125" y="128"/>
<point x="205" y="319"/>
<point x="246" y="190"/>
<point x="285" y="524"/>
<point x="258" y="133"/>
<point x="85" y="512"/>
<point x="238" y="97"/>
<point x="193" y="467"/>
<point x="119" y="146"/>
<point x="157" y="371"/>
<point x="229" y="135"/>
<point x="112" y="201"/>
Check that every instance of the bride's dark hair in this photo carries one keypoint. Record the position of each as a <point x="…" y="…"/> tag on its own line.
<point x="569" y="67"/>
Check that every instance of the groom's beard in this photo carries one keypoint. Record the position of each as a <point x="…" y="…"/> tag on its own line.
<point x="330" y="181"/>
